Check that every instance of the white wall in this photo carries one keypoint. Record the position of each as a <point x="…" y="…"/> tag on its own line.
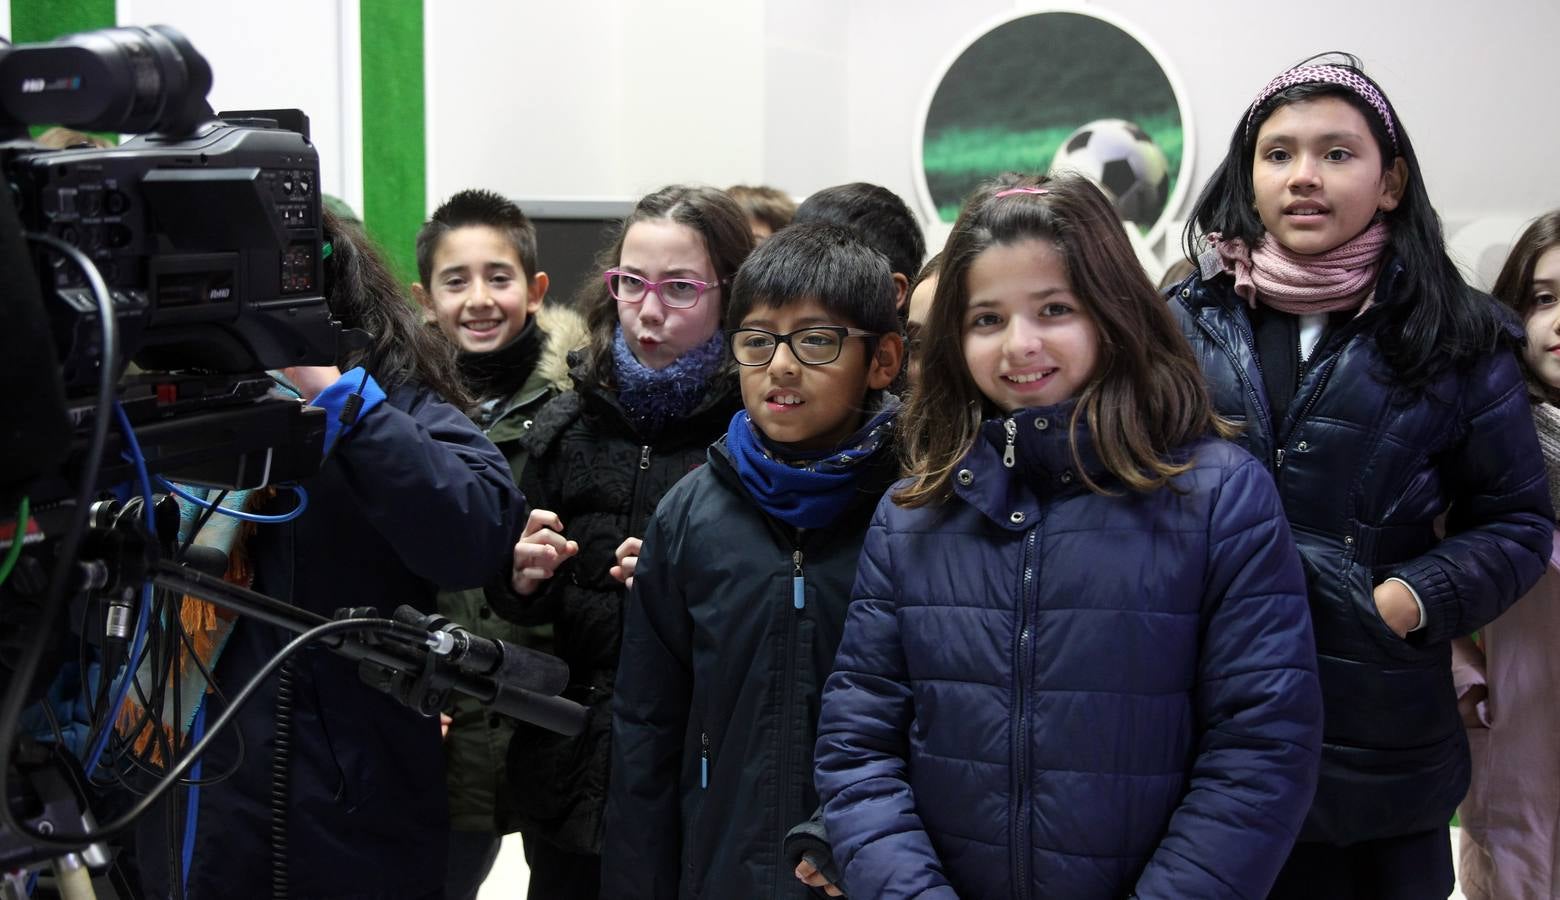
<point x="612" y="98"/>
<point x="1470" y="80"/>
<point x="280" y="54"/>
<point x="599" y="98"/>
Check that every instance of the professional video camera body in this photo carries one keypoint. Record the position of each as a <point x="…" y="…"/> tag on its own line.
<point x="195" y="251"/>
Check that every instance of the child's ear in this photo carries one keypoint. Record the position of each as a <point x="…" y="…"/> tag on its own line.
<point x="536" y="293"/>
<point x="420" y="294"/>
<point x="1394" y="181"/>
<point x="886" y="360"/>
<point x="901" y="290"/>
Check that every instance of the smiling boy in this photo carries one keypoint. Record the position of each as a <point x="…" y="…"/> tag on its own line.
<point x="478" y="282"/>
<point x="741" y="585"/>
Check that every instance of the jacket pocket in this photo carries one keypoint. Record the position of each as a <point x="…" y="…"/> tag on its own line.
<point x="1361" y="584"/>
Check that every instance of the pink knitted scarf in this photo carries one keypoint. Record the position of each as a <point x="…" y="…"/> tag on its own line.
<point x="1342" y="278"/>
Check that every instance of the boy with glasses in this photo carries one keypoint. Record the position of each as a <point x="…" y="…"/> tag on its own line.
<point x="741" y="585"/>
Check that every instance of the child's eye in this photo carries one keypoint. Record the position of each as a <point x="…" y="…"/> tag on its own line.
<point x="455" y="284"/>
<point x="1544" y="299"/>
<point x="757" y="341"/>
<point x="501" y="280"/>
<point x="1338" y="154"/>
<point x="986" y="320"/>
<point x="1277" y="154"/>
<point x="681" y="289"/>
<point x="1052" y="310"/>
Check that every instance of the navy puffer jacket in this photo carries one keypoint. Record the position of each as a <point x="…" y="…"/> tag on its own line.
<point x="1364" y="476"/>
<point x="1047" y="692"/>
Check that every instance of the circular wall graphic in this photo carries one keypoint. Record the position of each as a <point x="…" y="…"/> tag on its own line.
<point x="1077" y="90"/>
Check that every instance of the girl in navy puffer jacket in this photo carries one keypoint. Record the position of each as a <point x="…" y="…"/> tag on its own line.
<point x="1384" y="396"/>
<point x="1079" y="662"/>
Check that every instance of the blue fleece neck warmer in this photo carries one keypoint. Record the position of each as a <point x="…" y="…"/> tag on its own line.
<point x="805" y="491"/>
<point x="655" y="397"/>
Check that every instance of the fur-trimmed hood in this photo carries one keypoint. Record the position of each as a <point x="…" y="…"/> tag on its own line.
<point x="566" y="332"/>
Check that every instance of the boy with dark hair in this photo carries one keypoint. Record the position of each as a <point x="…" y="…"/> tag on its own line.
<point x="878" y="217"/>
<point x="725" y="651"/>
<point x="479" y="284"/>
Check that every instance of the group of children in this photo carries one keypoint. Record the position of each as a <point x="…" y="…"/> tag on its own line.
<point x="1135" y="595"/>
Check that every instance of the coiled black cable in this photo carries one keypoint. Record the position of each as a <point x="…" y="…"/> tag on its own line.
<point x="281" y="757"/>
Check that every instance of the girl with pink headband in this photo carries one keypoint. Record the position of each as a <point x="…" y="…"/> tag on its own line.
<point x="1383" y="394"/>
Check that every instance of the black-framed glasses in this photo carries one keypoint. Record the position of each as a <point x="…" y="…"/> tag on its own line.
<point x="816" y="345"/>
<point x="677" y="293"/>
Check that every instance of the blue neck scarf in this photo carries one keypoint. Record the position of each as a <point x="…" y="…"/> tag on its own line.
<point x="809" y="490"/>
<point x="654" y="398"/>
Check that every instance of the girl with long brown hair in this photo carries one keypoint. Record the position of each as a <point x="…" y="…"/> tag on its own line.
<point x="1079" y="661"/>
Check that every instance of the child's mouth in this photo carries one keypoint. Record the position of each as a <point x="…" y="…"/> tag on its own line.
<point x="482" y="326"/>
<point x="783" y="401"/>
<point x="1028" y="379"/>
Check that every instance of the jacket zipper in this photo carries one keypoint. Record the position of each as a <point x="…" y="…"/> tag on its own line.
<point x="644" y="457"/>
<point x="1321" y="382"/>
<point x="798" y="582"/>
<point x="1019" y="812"/>
<point x="1011" y="427"/>
<point x="789" y="816"/>
<point x="1240" y="371"/>
<point x="704" y="760"/>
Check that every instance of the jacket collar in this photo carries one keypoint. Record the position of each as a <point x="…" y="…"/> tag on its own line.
<point x="1009" y="487"/>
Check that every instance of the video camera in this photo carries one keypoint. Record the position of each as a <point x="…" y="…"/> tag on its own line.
<point x="207" y="233"/>
<point x="196" y="252"/>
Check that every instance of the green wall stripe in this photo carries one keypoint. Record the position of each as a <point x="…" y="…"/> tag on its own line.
<point x="394" y="154"/>
<point x="43" y="20"/>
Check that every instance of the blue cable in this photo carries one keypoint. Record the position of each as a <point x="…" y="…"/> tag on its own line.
<point x="192" y="813"/>
<point x="303" y="504"/>
<point x="143" y="615"/>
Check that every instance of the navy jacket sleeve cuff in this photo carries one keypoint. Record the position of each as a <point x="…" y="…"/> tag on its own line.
<point x="334" y="398"/>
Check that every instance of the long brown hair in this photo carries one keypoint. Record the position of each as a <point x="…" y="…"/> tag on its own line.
<point x="1147" y="397"/>
<point x="717" y="219"/>
<point x="1514" y="285"/>
<point x="364" y="294"/>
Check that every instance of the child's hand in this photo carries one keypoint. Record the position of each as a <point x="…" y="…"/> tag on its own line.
<point x="628" y="558"/>
<point x="813" y="878"/>
<point x="444" y="725"/>
<point x="311" y="380"/>
<point x="1397" y="607"/>
<point x="541" y="550"/>
<point x="1468" y="706"/>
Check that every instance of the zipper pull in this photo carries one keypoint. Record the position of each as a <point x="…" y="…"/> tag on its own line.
<point x="798" y="583"/>
<point x="1011" y="427"/>
<point x="644" y="457"/>
<point x="1279" y="461"/>
<point x="704" y="760"/>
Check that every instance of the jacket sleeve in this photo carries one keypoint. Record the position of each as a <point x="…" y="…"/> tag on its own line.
<point x="642" y="850"/>
<point x="880" y="843"/>
<point x="1258" y="704"/>
<point x="438" y="491"/>
<point x="1499" y="520"/>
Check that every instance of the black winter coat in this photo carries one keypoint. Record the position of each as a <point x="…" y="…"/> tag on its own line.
<point x="717" y="696"/>
<point x="591" y="466"/>
<point x="414" y="499"/>
<point x="1364" y="475"/>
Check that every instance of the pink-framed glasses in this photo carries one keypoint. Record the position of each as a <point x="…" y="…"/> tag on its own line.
<point x="677" y="293"/>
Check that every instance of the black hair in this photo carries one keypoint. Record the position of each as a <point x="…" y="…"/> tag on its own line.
<point x="472" y="208"/>
<point x="708" y="211"/>
<point x="364" y="294"/>
<point x="1440" y="323"/>
<point x="817" y="261"/>
<point x="877" y="215"/>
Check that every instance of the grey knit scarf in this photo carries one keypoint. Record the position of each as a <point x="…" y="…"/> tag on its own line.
<point x="1546" y="418"/>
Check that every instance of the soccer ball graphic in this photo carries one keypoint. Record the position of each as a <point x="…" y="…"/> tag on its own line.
<point x="1122" y="159"/>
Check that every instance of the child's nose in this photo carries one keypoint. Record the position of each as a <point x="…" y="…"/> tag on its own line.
<point x="784" y="362"/>
<point x="1023" y="338"/>
<point x="1304" y="172"/>
<point x="651" y="310"/>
